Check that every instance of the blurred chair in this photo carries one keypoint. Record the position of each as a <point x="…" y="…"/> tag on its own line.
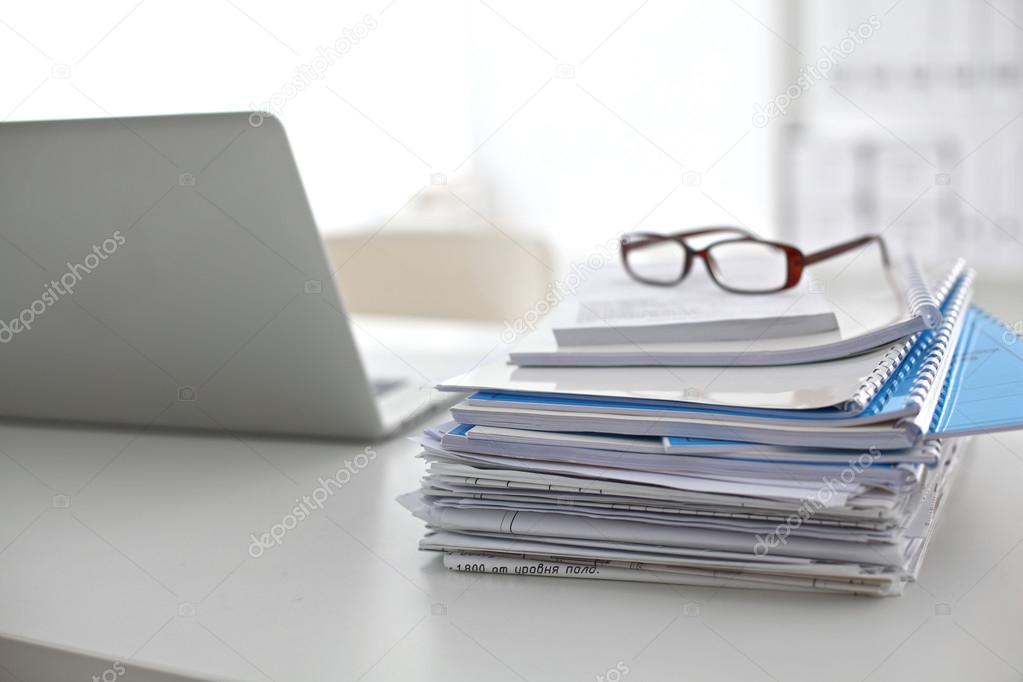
<point x="444" y="257"/>
<point x="473" y="275"/>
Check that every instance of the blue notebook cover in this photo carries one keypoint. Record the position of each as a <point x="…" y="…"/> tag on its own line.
<point x="983" y="391"/>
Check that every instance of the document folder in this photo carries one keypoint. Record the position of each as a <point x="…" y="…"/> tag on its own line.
<point x="983" y="391"/>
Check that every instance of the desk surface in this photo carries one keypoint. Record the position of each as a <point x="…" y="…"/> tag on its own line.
<point x="137" y="546"/>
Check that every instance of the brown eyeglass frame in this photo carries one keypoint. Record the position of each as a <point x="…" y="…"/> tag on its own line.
<point x="796" y="260"/>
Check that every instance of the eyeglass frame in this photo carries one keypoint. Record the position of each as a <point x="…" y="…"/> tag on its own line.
<point x="795" y="259"/>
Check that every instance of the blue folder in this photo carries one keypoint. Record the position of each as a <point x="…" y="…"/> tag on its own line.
<point x="983" y="391"/>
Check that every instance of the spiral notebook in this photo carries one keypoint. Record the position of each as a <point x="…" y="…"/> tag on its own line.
<point x="870" y="315"/>
<point x="905" y="398"/>
<point x="835" y="389"/>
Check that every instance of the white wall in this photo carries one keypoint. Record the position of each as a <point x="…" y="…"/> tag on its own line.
<point x="659" y="94"/>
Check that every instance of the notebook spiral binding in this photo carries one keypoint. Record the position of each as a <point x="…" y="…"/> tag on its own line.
<point x="892" y="360"/>
<point x="922" y="302"/>
<point x="939" y="346"/>
<point x="932" y="448"/>
<point x="876" y="379"/>
<point x="939" y="406"/>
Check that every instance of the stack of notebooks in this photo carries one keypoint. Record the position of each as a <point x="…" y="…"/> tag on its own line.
<point x="825" y="476"/>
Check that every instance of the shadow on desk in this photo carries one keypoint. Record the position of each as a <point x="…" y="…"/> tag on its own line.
<point x="426" y="417"/>
<point x="26" y="660"/>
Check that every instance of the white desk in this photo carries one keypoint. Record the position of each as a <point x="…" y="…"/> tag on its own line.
<point x="149" y="560"/>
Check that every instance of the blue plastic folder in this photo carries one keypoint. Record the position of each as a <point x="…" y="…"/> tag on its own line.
<point x="983" y="391"/>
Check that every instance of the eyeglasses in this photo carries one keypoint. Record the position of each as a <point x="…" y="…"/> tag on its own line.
<point x="740" y="262"/>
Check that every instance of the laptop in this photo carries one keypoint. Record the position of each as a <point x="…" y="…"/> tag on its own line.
<point x="167" y="271"/>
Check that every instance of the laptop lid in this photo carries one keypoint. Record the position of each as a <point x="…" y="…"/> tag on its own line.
<point x="168" y="271"/>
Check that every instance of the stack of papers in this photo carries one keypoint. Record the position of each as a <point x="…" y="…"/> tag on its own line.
<point x="825" y="477"/>
<point x="619" y="310"/>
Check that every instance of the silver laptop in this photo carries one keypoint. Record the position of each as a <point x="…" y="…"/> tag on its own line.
<point x="167" y="271"/>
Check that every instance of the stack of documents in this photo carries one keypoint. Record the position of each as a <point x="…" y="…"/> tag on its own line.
<point x="617" y="310"/>
<point x="827" y="476"/>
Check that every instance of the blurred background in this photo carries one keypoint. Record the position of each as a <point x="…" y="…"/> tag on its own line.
<point x="460" y="154"/>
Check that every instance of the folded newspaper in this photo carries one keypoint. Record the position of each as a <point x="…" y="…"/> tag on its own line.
<point x="753" y="531"/>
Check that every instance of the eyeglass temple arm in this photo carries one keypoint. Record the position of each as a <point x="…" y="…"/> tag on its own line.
<point x="833" y="251"/>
